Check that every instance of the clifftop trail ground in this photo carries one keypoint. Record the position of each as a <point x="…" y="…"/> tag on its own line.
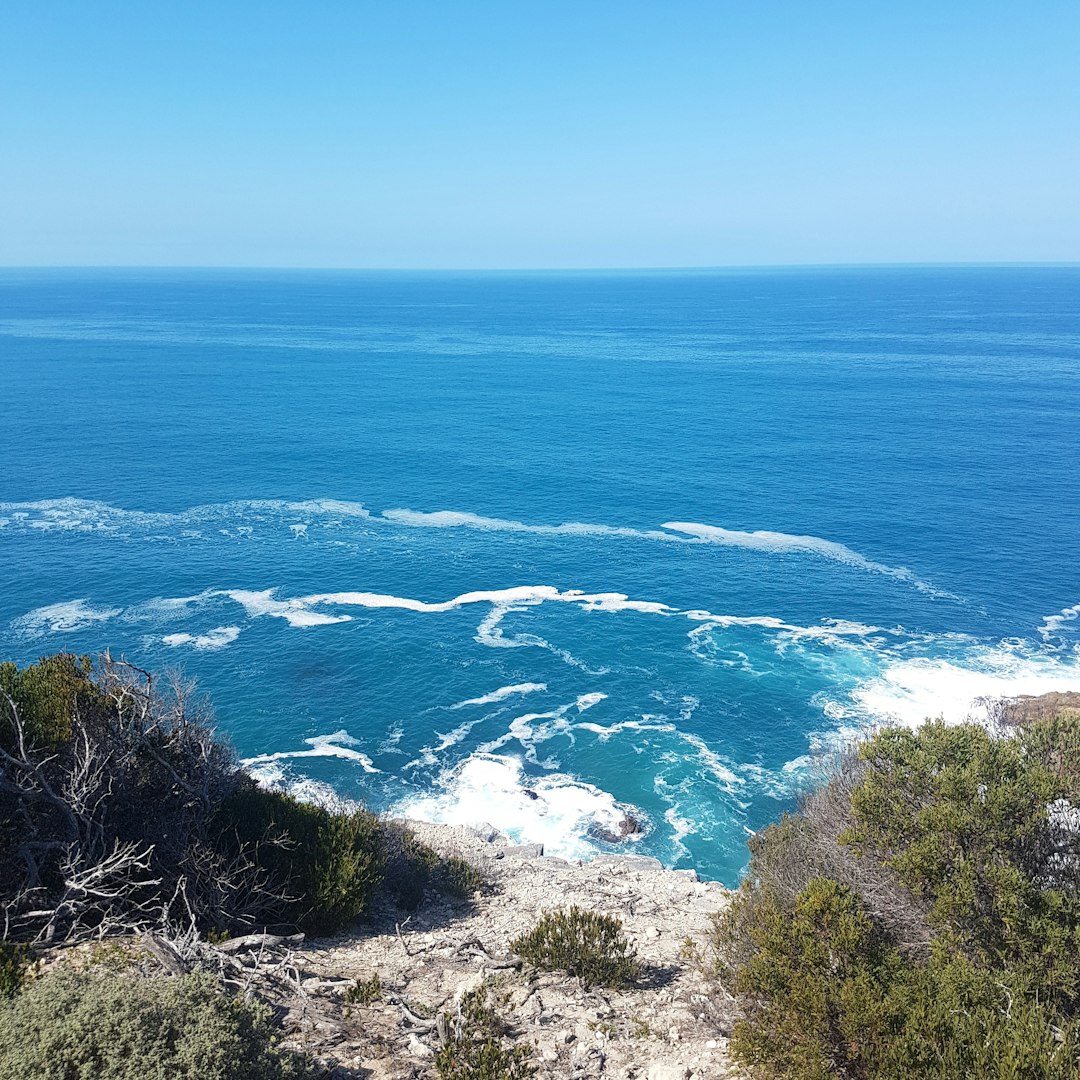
<point x="670" y="1026"/>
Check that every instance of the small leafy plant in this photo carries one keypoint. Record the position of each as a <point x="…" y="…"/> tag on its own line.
<point x="586" y="944"/>
<point x="462" y="878"/>
<point x="15" y="964"/>
<point x="474" y="1044"/>
<point x="364" y="991"/>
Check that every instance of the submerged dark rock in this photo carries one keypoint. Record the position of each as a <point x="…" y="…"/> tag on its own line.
<point x="627" y="827"/>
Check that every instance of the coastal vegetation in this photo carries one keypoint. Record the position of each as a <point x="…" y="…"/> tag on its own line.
<point x="112" y="1026"/>
<point x="585" y="944"/>
<point x="121" y="810"/>
<point x="919" y="915"/>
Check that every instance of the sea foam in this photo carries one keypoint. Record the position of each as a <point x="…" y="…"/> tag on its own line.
<point x="501" y="694"/>
<point x="557" y="811"/>
<point x="217" y="638"/>
<point x="62" y="617"/>
<point x="339" y="744"/>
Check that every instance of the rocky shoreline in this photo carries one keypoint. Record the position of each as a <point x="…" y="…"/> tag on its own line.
<point x="670" y="1027"/>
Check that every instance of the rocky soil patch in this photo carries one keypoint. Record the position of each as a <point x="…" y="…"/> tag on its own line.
<point x="671" y="1026"/>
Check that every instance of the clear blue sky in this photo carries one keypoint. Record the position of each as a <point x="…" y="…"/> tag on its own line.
<point x="506" y="134"/>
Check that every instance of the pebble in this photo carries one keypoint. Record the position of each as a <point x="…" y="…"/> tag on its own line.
<point x="660" y="1070"/>
<point x="419" y="1049"/>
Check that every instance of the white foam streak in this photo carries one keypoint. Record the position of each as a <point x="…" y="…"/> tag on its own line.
<point x="89" y="515"/>
<point x="69" y="615"/>
<point x="217" y="638"/>
<point x="339" y="744"/>
<point x="454" y="519"/>
<point x="502" y="694"/>
<point x="694" y="532"/>
<point x="1052" y="624"/>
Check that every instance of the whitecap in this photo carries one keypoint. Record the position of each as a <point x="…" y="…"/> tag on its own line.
<point x="911" y="691"/>
<point x="339" y="744"/>
<point x="1052" y="624"/>
<point x="217" y="638"/>
<point x="501" y="694"/>
<point x="65" y="616"/>
<point x="758" y="540"/>
<point x="557" y="811"/>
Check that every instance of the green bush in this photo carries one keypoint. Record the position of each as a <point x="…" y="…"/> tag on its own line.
<point x="328" y="862"/>
<point x="951" y="948"/>
<point x="116" y="777"/>
<point x="476" y="1046"/>
<point x="961" y="817"/>
<point x="47" y="695"/>
<point x="583" y="943"/>
<point x="15" y="962"/>
<point x="462" y="878"/>
<point x="94" y="1027"/>
<point x="364" y="991"/>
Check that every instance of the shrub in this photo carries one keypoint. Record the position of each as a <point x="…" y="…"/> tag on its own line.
<point x="462" y="877"/>
<point x="807" y="964"/>
<point x="475" y="1044"/>
<point x="364" y="991"/>
<point x="46" y="696"/>
<point x="583" y="943"/>
<point x="918" y="916"/>
<point x="327" y="862"/>
<point x="117" y="799"/>
<point x="15" y="963"/>
<point x="106" y="784"/>
<point x="94" y="1027"/>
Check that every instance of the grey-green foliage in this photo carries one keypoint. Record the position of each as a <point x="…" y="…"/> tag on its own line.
<point x="117" y="1027"/>
<point x="919" y="917"/>
<point x="15" y="961"/>
<point x="364" y="991"/>
<point x="582" y="943"/>
<point x="477" y="1044"/>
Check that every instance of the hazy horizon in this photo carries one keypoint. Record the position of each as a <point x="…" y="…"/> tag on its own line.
<point x="704" y="268"/>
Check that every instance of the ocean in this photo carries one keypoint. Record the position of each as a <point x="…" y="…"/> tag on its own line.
<point x="545" y="550"/>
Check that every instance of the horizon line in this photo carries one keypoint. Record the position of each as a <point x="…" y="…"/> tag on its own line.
<point x="701" y="268"/>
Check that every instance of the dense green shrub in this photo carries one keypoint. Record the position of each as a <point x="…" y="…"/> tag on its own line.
<point x="47" y="695"/>
<point x="327" y="862"/>
<point x="582" y="943"/>
<point x="951" y="946"/>
<point x="15" y="962"/>
<point x="962" y="818"/>
<point x="114" y="1027"/>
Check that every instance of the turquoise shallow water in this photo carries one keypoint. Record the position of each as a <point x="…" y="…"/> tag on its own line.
<point x="540" y="549"/>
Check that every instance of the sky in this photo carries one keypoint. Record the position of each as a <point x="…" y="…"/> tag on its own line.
<point x="469" y="134"/>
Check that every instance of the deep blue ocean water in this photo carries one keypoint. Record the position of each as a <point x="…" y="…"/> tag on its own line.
<point x="542" y="549"/>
